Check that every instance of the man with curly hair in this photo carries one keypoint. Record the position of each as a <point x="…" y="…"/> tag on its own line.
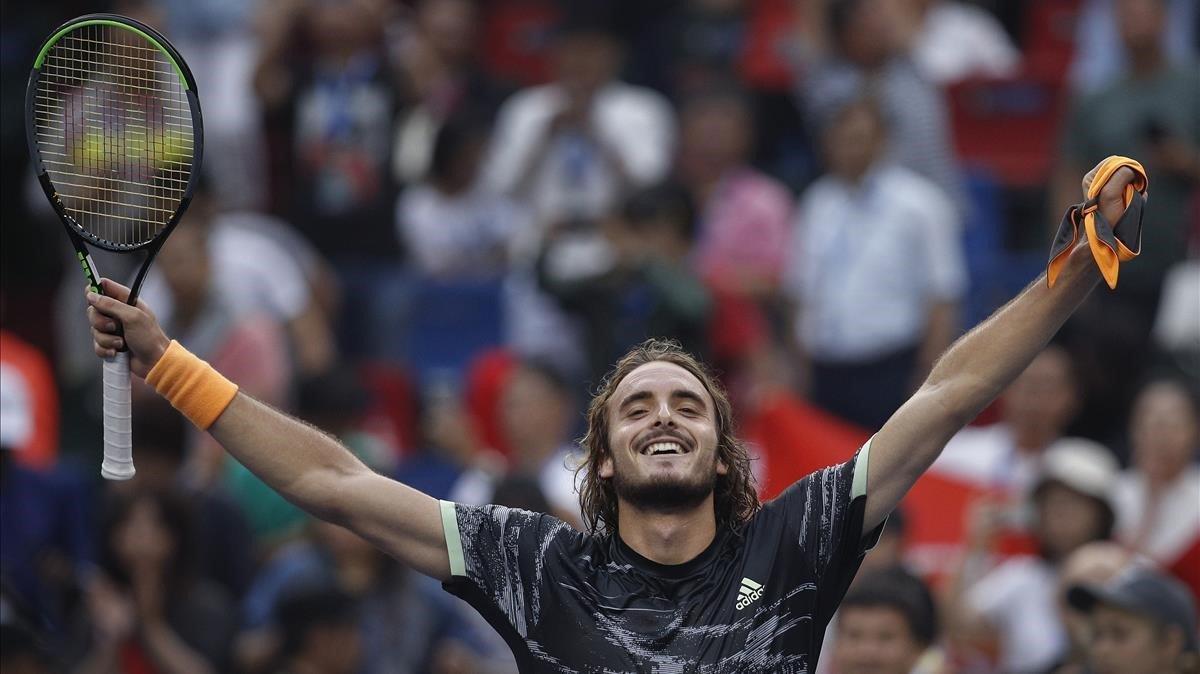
<point x="682" y="570"/>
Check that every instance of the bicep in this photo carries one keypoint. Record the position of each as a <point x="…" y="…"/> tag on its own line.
<point x="903" y="449"/>
<point x="401" y="521"/>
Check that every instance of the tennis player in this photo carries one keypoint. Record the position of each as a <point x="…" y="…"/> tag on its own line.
<point x="682" y="569"/>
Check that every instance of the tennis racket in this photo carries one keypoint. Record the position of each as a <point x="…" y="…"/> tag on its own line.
<point x="114" y="130"/>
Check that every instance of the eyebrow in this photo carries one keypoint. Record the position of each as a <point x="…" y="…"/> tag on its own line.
<point x="681" y="393"/>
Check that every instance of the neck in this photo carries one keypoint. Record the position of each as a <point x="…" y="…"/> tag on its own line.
<point x="668" y="538"/>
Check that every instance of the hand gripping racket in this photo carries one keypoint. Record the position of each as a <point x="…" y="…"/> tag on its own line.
<point x="114" y="130"/>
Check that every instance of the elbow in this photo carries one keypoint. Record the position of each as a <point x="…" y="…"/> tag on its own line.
<point x="959" y="399"/>
<point x="323" y="492"/>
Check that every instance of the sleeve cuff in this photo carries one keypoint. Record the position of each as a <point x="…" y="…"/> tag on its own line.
<point x="458" y="565"/>
<point x="859" y="486"/>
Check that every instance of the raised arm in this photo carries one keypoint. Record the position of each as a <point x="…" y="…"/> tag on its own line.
<point x="304" y="464"/>
<point x="976" y="368"/>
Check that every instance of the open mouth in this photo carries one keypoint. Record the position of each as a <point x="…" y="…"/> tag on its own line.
<point x="663" y="448"/>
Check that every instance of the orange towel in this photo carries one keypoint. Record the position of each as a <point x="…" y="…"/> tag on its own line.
<point x="1110" y="243"/>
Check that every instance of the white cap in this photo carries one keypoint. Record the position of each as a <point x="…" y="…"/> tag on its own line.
<point x="16" y="408"/>
<point x="1082" y="465"/>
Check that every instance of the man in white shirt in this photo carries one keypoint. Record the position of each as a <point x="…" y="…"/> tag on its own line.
<point x="877" y="269"/>
<point x="569" y="152"/>
<point x="573" y="146"/>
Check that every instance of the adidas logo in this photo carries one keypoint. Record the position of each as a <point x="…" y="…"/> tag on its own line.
<point x="749" y="592"/>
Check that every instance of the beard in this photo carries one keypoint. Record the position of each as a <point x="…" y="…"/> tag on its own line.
<point x="666" y="495"/>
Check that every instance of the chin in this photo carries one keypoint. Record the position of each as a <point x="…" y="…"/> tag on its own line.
<point x="665" y="492"/>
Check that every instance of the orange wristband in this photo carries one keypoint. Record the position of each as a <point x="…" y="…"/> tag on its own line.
<point x="191" y="385"/>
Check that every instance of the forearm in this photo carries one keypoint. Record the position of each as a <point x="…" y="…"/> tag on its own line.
<point x="318" y="474"/>
<point x="967" y="378"/>
<point x="298" y="460"/>
<point x="983" y="362"/>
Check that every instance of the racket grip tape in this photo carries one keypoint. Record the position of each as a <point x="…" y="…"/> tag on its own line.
<point x="118" y="418"/>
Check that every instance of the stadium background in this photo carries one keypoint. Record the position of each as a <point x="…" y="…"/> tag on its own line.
<point x="413" y="246"/>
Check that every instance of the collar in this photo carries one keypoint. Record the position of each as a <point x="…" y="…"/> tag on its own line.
<point x="621" y="552"/>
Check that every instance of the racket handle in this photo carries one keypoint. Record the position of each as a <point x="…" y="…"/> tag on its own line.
<point x="118" y="435"/>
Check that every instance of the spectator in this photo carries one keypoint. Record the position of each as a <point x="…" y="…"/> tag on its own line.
<point x="45" y="537"/>
<point x="1157" y="499"/>
<point x="1142" y="621"/>
<point x="452" y="461"/>
<point x="443" y="79"/>
<point x="848" y="45"/>
<point x="572" y="148"/>
<point x="887" y="624"/>
<point x="537" y="413"/>
<point x="877" y="272"/>
<point x="331" y="97"/>
<point x="222" y="544"/>
<point x="255" y="267"/>
<point x="1014" y="603"/>
<point x="244" y="341"/>
<point x="570" y="151"/>
<point x="218" y="39"/>
<point x="744" y="213"/>
<point x="1099" y="56"/>
<point x="647" y="291"/>
<point x="402" y="618"/>
<point x="148" y="608"/>
<point x="451" y="228"/>
<point x="950" y="40"/>
<point x="319" y="630"/>
<point x="1095" y="563"/>
<point x="1149" y="113"/>
<point x="337" y="401"/>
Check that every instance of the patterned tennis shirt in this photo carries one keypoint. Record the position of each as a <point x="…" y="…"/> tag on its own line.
<point x="757" y="599"/>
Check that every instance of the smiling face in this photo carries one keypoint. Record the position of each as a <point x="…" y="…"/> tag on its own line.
<point x="662" y="439"/>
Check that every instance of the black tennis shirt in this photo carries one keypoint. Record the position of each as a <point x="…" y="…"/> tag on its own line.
<point x="756" y="600"/>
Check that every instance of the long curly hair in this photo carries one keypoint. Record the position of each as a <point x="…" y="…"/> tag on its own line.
<point x="735" y="498"/>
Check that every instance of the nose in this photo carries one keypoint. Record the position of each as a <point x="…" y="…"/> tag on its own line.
<point x="664" y="417"/>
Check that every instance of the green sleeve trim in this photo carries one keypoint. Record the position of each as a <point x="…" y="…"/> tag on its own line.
<point x="859" y="486"/>
<point x="458" y="564"/>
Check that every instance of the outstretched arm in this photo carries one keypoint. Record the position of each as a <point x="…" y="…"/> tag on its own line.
<point x="976" y="368"/>
<point x="305" y="465"/>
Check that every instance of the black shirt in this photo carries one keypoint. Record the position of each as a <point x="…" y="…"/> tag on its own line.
<point x="756" y="600"/>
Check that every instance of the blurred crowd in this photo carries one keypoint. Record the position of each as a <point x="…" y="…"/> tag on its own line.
<point x="428" y="227"/>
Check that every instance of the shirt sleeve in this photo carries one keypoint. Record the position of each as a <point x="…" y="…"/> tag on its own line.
<point x="498" y="560"/>
<point x="823" y="513"/>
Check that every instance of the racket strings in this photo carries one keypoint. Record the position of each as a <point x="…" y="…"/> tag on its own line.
<point x="114" y="127"/>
